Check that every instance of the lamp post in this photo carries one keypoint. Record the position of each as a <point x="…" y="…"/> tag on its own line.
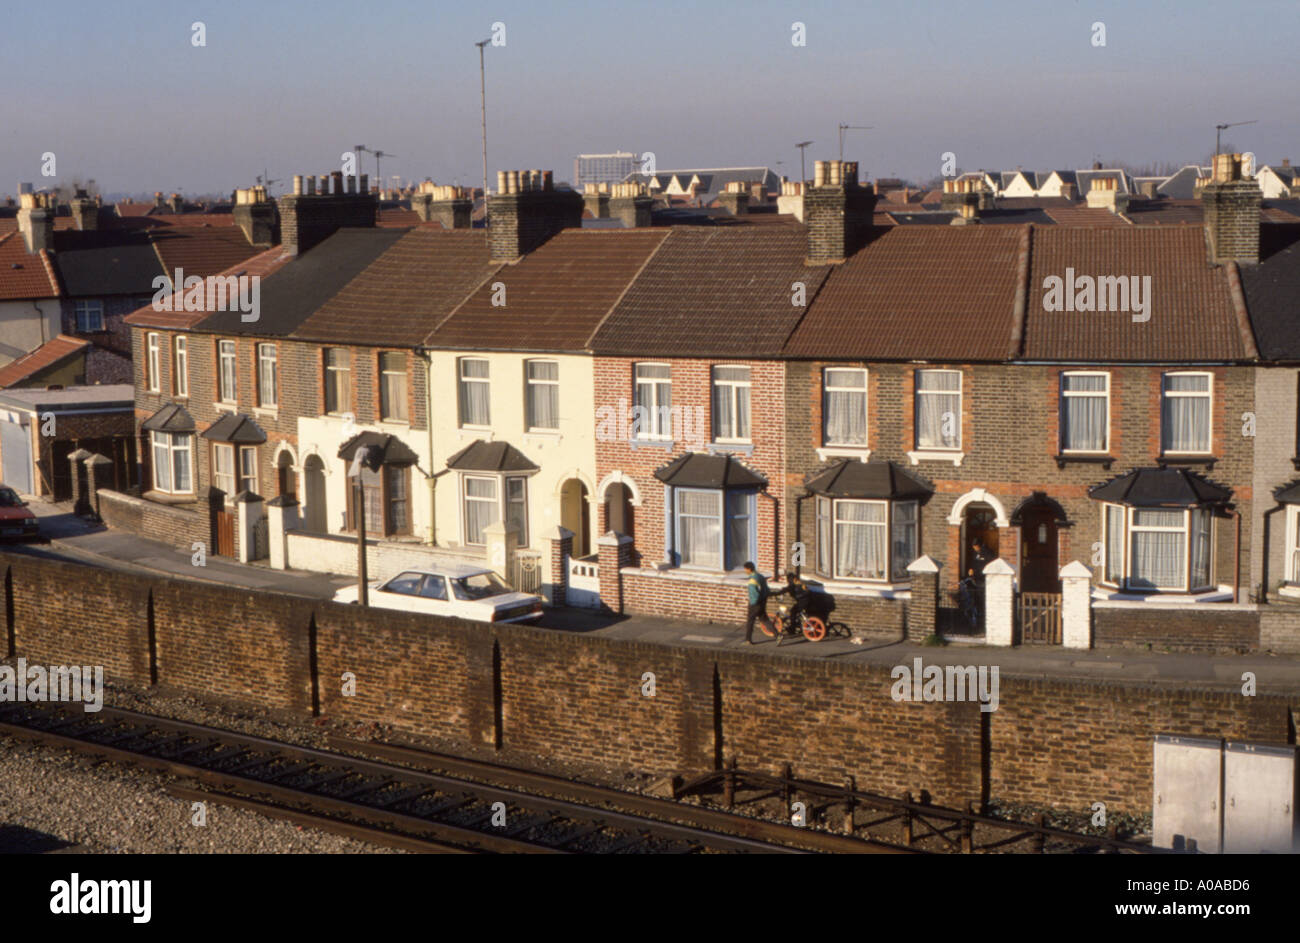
<point x="803" y="175"/>
<point x="482" y="97"/>
<point x="360" y="460"/>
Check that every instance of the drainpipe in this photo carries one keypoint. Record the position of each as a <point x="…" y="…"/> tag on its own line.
<point x="1236" y="558"/>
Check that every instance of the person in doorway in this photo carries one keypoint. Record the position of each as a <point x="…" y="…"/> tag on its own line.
<point x="980" y="557"/>
<point x="757" y="592"/>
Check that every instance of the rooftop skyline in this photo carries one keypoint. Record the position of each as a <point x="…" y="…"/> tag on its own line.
<point x="139" y="107"/>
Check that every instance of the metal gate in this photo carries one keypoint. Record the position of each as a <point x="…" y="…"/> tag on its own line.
<point x="15" y="457"/>
<point x="225" y="534"/>
<point x="583" y="589"/>
<point x="1040" y="617"/>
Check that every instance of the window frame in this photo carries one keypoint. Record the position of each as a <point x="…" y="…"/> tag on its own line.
<point x="465" y="498"/>
<point x="530" y="383"/>
<point x="227" y="355"/>
<point x="864" y="390"/>
<point x="827" y="516"/>
<point x="331" y="382"/>
<point x="1067" y="394"/>
<point x="656" y="412"/>
<point x="724" y="519"/>
<point x="81" y="311"/>
<point x="262" y="361"/>
<point x="1125" y="583"/>
<point x="1291" y="549"/>
<point x="152" y="365"/>
<point x="385" y="490"/>
<point x="224" y="481"/>
<point x="1208" y="395"/>
<point x="917" y="393"/>
<point x="462" y="400"/>
<point x="387" y="401"/>
<point x="735" y="386"/>
<point x="171" y="448"/>
<point x="246" y="477"/>
<point x="181" y="367"/>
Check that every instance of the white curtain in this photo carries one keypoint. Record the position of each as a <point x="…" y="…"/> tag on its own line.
<point x="846" y="407"/>
<point x="1114" y="544"/>
<point x="480" y="507"/>
<point x="162" y="462"/>
<point x="654" y="393"/>
<point x="1084" y="413"/>
<point x="543" y="394"/>
<point x="936" y="394"/>
<point x="1200" y="548"/>
<point x="699" y="530"/>
<point x="824" y="536"/>
<point x="860" y="540"/>
<point x="1158" y="555"/>
<point x="474" y="393"/>
<point x="731" y="402"/>
<point x="1186" y="419"/>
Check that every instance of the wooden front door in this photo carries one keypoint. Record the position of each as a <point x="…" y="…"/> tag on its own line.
<point x="225" y="534"/>
<point x="1039" y="566"/>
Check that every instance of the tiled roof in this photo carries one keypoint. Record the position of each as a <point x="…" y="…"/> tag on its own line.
<point x="403" y="293"/>
<point x="1160" y="487"/>
<point x="1191" y="315"/>
<point x="556" y="296"/>
<point x="125" y="209"/>
<point x="201" y="251"/>
<point x="933" y="292"/>
<point x="1075" y="215"/>
<point x="1272" y="289"/>
<point x="263" y="265"/>
<point x="105" y="262"/>
<point x="22" y="274"/>
<point x="490" y="456"/>
<point x="49" y="354"/>
<point x="724" y="291"/>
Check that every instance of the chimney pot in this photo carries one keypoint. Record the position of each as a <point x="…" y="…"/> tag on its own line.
<point x="297" y="184"/>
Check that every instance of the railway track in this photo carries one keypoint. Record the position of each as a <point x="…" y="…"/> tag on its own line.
<point x="391" y="796"/>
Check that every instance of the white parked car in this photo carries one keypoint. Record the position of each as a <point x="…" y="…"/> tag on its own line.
<point x="461" y="590"/>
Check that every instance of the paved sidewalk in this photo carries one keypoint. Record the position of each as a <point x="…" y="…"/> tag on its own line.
<point x="75" y="539"/>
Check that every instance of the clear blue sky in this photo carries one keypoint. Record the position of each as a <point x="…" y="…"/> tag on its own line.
<point x="118" y="93"/>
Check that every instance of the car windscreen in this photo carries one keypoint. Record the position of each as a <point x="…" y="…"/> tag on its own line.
<point x="9" y="498"/>
<point x="406" y="584"/>
<point x="479" y="586"/>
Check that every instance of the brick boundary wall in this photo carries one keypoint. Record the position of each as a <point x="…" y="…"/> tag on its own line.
<point x="179" y="526"/>
<point x="1185" y="629"/>
<point x="543" y="696"/>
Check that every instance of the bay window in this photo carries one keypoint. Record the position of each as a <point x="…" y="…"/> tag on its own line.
<point x="491" y="498"/>
<point x="386" y="491"/>
<point x="172" y="465"/>
<point x="1185" y="413"/>
<point x="844" y="405"/>
<point x="1085" y="412"/>
<point x="865" y="540"/>
<point x="713" y="529"/>
<point x="1158" y="549"/>
<point x="226" y="475"/>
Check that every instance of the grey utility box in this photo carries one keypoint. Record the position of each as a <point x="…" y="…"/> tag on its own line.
<point x="1259" y="798"/>
<point x="1188" y="797"/>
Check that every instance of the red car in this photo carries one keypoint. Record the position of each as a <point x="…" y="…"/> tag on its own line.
<point x="15" y="519"/>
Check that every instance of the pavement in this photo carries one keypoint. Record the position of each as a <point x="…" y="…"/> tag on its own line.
<point x="74" y="539"/>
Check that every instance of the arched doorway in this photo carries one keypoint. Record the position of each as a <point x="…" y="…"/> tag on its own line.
<point x="1039" y="519"/>
<point x="286" y="479"/>
<point x="313" y="515"/>
<point x="575" y="515"/>
<point x="618" y="510"/>
<point x="979" y="523"/>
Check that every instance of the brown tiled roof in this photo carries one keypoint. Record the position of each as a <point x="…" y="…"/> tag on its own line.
<point x="556" y="296"/>
<point x="1094" y="216"/>
<point x="402" y="218"/>
<point x="126" y="208"/>
<point x="1166" y="213"/>
<point x="1190" y="307"/>
<point x="22" y="274"/>
<point x="918" y="292"/>
<point x="724" y="291"/>
<point x="47" y="355"/>
<point x="201" y="251"/>
<point x="262" y="265"/>
<point x="400" y="296"/>
<point x="1034" y="202"/>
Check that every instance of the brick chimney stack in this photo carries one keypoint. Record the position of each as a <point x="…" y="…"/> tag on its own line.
<point x="595" y="199"/>
<point x="1104" y="194"/>
<point x="1231" y="209"/>
<point x="36" y="221"/>
<point x="527" y="210"/>
<point x="450" y="206"/>
<point x="177" y="204"/>
<point x="735" y="198"/>
<point x="85" y="212"/>
<point x="837" y="210"/>
<point x="965" y="197"/>
<point x="255" y="214"/>
<point x="630" y="203"/>
<point x="307" y="219"/>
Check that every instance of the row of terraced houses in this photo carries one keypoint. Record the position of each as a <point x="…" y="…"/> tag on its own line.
<point x="624" y="414"/>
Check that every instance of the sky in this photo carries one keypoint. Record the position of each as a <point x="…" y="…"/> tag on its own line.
<point x="118" y="91"/>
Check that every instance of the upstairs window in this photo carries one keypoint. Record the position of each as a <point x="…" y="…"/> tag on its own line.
<point x="1085" y="412"/>
<point x="181" y="367"/>
<point x="542" y="397"/>
<point x="267" y="394"/>
<point x="90" y="316"/>
<point x="731" y="404"/>
<point x="475" y="388"/>
<point x="392" y="389"/>
<point x="938" y="409"/>
<point x="338" y="381"/>
<point x="227" y="370"/>
<point x="1185" y="413"/>
<point x="653" y="398"/>
<point x="151" y="366"/>
<point x="844" y="406"/>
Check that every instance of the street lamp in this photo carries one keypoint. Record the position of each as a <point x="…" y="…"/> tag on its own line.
<point x="360" y="461"/>
<point x="482" y="96"/>
<point x="803" y="176"/>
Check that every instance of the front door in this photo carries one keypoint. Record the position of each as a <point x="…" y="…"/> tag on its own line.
<point x="982" y="526"/>
<point x="1039" y="568"/>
